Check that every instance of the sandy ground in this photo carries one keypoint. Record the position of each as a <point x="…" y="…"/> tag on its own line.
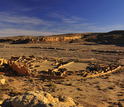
<point x="105" y="91"/>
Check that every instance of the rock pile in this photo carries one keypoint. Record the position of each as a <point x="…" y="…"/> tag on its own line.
<point x="53" y="69"/>
<point x="16" y="67"/>
<point x="38" y="99"/>
<point x="96" y="68"/>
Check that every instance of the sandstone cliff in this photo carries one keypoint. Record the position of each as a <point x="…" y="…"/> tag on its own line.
<point x="62" y="38"/>
<point x="113" y="37"/>
<point x="39" y="39"/>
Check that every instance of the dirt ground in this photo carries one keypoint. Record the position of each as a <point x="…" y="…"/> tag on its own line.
<point x="104" y="91"/>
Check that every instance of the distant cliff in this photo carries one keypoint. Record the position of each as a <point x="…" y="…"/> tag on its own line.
<point x="61" y="38"/>
<point x="113" y="37"/>
<point x="40" y="39"/>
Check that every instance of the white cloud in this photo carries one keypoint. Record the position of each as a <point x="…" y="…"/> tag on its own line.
<point x="17" y="19"/>
<point x="13" y="24"/>
<point x="66" y="19"/>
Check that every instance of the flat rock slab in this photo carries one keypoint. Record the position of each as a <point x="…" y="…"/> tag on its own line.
<point x="74" y="66"/>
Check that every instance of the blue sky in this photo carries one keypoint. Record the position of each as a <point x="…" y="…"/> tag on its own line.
<point x="46" y="17"/>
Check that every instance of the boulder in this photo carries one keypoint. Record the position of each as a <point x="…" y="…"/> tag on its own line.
<point x="38" y="99"/>
<point x="3" y="61"/>
<point x="2" y="80"/>
<point x="19" y="67"/>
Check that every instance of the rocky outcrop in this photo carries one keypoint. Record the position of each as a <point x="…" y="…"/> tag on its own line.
<point x="38" y="99"/>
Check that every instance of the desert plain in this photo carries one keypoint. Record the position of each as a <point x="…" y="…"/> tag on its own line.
<point x="73" y="57"/>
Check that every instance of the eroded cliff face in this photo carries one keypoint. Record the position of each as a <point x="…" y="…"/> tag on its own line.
<point x="113" y="37"/>
<point x="60" y="38"/>
<point x="57" y="38"/>
<point x="39" y="39"/>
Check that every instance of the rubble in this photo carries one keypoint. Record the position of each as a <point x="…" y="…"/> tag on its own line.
<point x="95" y="69"/>
<point x="49" y="69"/>
<point x="38" y="99"/>
<point x="17" y="67"/>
